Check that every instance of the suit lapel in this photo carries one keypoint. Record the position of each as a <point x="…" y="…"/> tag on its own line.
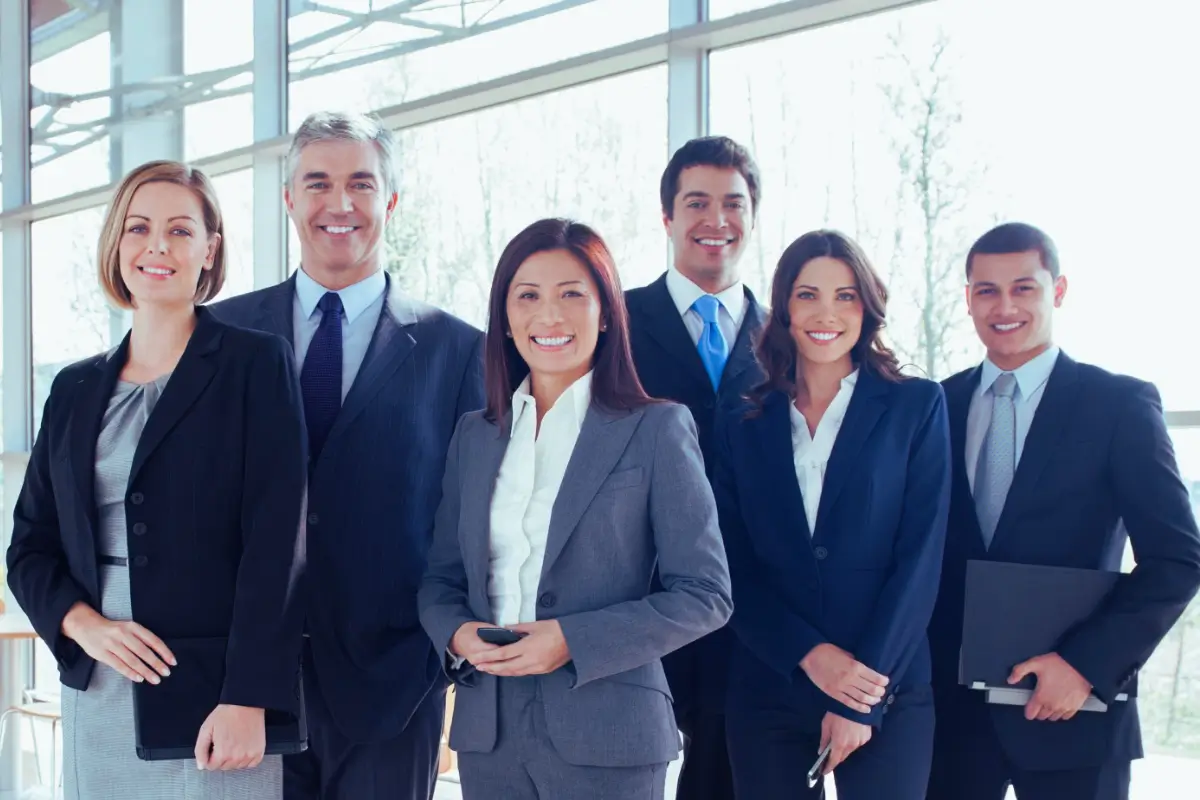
<point x="773" y="443"/>
<point x="275" y="312"/>
<point x="191" y="377"/>
<point x="958" y="406"/>
<point x="741" y="355"/>
<point x="1045" y="431"/>
<point x="390" y="345"/>
<point x="866" y="407"/>
<point x="483" y="468"/>
<point x="87" y="415"/>
<point x="602" y="440"/>
<point x="660" y="318"/>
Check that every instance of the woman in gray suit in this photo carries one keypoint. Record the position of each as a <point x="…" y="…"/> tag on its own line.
<point x="560" y="499"/>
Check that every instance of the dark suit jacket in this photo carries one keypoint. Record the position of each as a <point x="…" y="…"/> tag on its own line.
<point x="214" y="508"/>
<point x="372" y="497"/>
<point x="866" y="578"/>
<point x="1097" y="453"/>
<point x="669" y="367"/>
<point x="634" y="495"/>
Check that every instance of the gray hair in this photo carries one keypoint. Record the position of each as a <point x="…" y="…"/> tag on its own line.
<point x="326" y="126"/>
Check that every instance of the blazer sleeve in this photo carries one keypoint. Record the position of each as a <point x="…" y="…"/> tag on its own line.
<point x="905" y="605"/>
<point x="470" y="391"/>
<point x="692" y="568"/>
<point x="263" y="654"/>
<point x="442" y="601"/>
<point x="776" y="635"/>
<point x="38" y="572"/>
<point x="1153" y="501"/>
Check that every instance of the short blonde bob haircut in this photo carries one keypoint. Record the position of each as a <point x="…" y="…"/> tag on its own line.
<point x="109" y="260"/>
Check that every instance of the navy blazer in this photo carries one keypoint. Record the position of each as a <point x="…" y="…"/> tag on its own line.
<point x="1097" y="453"/>
<point x="213" y="506"/>
<point x="670" y="368"/>
<point x="373" y="493"/>
<point x="866" y="578"/>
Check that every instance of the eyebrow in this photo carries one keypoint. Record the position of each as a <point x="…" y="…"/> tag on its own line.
<point x="360" y="175"/>
<point x="169" y="219"/>
<point x="706" y="195"/>
<point x="538" y="285"/>
<point x="817" y="289"/>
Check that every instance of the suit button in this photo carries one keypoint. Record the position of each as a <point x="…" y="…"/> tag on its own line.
<point x="820" y="553"/>
<point x="547" y="600"/>
<point x="136" y="498"/>
<point x="313" y="519"/>
<point x="139" y="528"/>
<point x="141" y="561"/>
<point x="890" y="698"/>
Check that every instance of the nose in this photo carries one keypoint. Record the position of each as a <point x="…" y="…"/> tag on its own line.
<point x="157" y="243"/>
<point x="1007" y="306"/>
<point x="551" y="312"/>
<point x="339" y="202"/>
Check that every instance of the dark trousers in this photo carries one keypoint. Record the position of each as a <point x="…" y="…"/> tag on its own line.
<point x="336" y="768"/>
<point x="772" y="747"/>
<point x="969" y="763"/>
<point x="705" y="774"/>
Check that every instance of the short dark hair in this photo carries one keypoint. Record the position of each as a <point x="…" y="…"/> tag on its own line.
<point x="775" y="348"/>
<point x="709" y="151"/>
<point x="615" y="383"/>
<point x="1016" y="237"/>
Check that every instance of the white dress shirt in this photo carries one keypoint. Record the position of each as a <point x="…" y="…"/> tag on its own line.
<point x="526" y="488"/>
<point x="362" y="303"/>
<point x="1031" y="384"/>
<point x="810" y="453"/>
<point x="729" y="318"/>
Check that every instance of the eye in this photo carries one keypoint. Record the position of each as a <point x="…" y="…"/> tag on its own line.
<point x="137" y="229"/>
<point x="805" y="294"/>
<point x="318" y="185"/>
<point x="696" y="204"/>
<point x="848" y="297"/>
<point x="364" y="186"/>
<point x="736" y="204"/>
<point x="572" y="293"/>
<point x="527" y="295"/>
<point x="984" y="290"/>
<point x="181" y="232"/>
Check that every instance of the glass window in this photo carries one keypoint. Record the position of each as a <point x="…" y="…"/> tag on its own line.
<point x="471" y="183"/>
<point x="916" y="130"/>
<point x="71" y="319"/>
<point x="340" y="57"/>
<point x="235" y="193"/>
<point x="218" y="58"/>
<point x="718" y="9"/>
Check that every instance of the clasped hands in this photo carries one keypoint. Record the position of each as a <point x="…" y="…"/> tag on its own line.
<point x="853" y="684"/>
<point x="542" y="650"/>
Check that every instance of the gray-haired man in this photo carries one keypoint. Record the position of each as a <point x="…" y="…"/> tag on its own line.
<point x="384" y="380"/>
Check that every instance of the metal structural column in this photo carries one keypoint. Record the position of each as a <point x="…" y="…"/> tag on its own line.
<point x="687" y="77"/>
<point x="270" y="121"/>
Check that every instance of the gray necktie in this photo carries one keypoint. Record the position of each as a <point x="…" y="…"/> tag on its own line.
<point x="997" y="457"/>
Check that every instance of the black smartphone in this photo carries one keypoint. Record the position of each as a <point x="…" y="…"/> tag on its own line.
<point x="814" y="772"/>
<point x="499" y="635"/>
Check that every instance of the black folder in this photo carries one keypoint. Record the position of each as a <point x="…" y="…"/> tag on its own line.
<point x="1014" y="612"/>
<point x="168" y="717"/>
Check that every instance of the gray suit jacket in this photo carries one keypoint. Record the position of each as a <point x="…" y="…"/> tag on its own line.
<point x="634" y="497"/>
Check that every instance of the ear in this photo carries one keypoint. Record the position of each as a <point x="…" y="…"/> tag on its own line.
<point x="214" y="243"/>
<point x="1060" y="290"/>
<point x="393" y="199"/>
<point x="667" y="223"/>
<point x="967" y="290"/>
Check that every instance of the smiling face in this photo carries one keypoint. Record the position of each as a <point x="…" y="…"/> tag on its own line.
<point x="554" y="316"/>
<point x="164" y="247"/>
<point x="825" y="311"/>
<point x="1011" y="298"/>
<point x="709" y="225"/>
<point x="340" y="204"/>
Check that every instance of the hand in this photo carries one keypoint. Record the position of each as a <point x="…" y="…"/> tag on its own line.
<point x="233" y="737"/>
<point x="127" y="647"/>
<point x="837" y="674"/>
<point x="1060" y="692"/>
<point x="846" y="736"/>
<point x="466" y="644"/>
<point x="543" y="650"/>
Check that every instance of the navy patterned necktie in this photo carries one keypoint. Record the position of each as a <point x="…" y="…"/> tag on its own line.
<point x="321" y="375"/>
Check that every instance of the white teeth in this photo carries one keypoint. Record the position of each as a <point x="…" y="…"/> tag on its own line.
<point x="824" y="337"/>
<point x="156" y="270"/>
<point x="714" y="242"/>
<point x="1010" y="326"/>
<point x="339" y="228"/>
<point x="557" y="341"/>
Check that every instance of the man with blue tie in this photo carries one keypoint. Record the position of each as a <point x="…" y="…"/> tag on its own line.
<point x="384" y="380"/>
<point x="1055" y="462"/>
<point x="692" y="334"/>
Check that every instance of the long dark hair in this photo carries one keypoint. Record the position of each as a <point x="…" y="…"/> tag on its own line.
<point x="615" y="383"/>
<point x="776" y="350"/>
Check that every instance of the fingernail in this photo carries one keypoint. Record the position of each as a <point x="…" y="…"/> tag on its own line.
<point x="156" y="680"/>
<point x="166" y="672"/>
<point x="138" y="678"/>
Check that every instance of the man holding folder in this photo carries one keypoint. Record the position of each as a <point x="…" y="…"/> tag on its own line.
<point x="1055" y="462"/>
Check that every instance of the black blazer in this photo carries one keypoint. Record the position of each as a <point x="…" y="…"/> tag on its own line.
<point x="372" y="497"/>
<point x="1097" y="454"/>
<point x="669" y="367"/>
<point x="866" y="578"/>
<point x="214" y="509"/>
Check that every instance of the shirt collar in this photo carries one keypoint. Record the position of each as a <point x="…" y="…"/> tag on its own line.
<point x="578" y="395"/>
<point x="845" y="390"/>
<point x="1030" y="375"/>
<point x="684" y="292"/>
<point x="356" y="298"/>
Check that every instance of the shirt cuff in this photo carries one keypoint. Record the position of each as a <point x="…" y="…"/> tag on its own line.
<point x="454" y="661"/>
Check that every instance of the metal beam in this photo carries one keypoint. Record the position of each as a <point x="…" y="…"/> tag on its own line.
<point x="270" y="123"/>
<point x="687" y="78"/>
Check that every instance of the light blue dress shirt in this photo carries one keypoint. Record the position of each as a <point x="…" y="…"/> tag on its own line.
<point x="1031" y="385"/>
<point x="362" y="303"/>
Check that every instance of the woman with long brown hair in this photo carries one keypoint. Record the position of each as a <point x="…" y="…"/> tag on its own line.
<point x="833" y="488"/>
<point x="561" y="501"/>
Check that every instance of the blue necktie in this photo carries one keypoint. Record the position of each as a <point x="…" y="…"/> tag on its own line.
<point x="714" y="351"/>
<point x="321" y="376"/>
<point x="997" y="458"/>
